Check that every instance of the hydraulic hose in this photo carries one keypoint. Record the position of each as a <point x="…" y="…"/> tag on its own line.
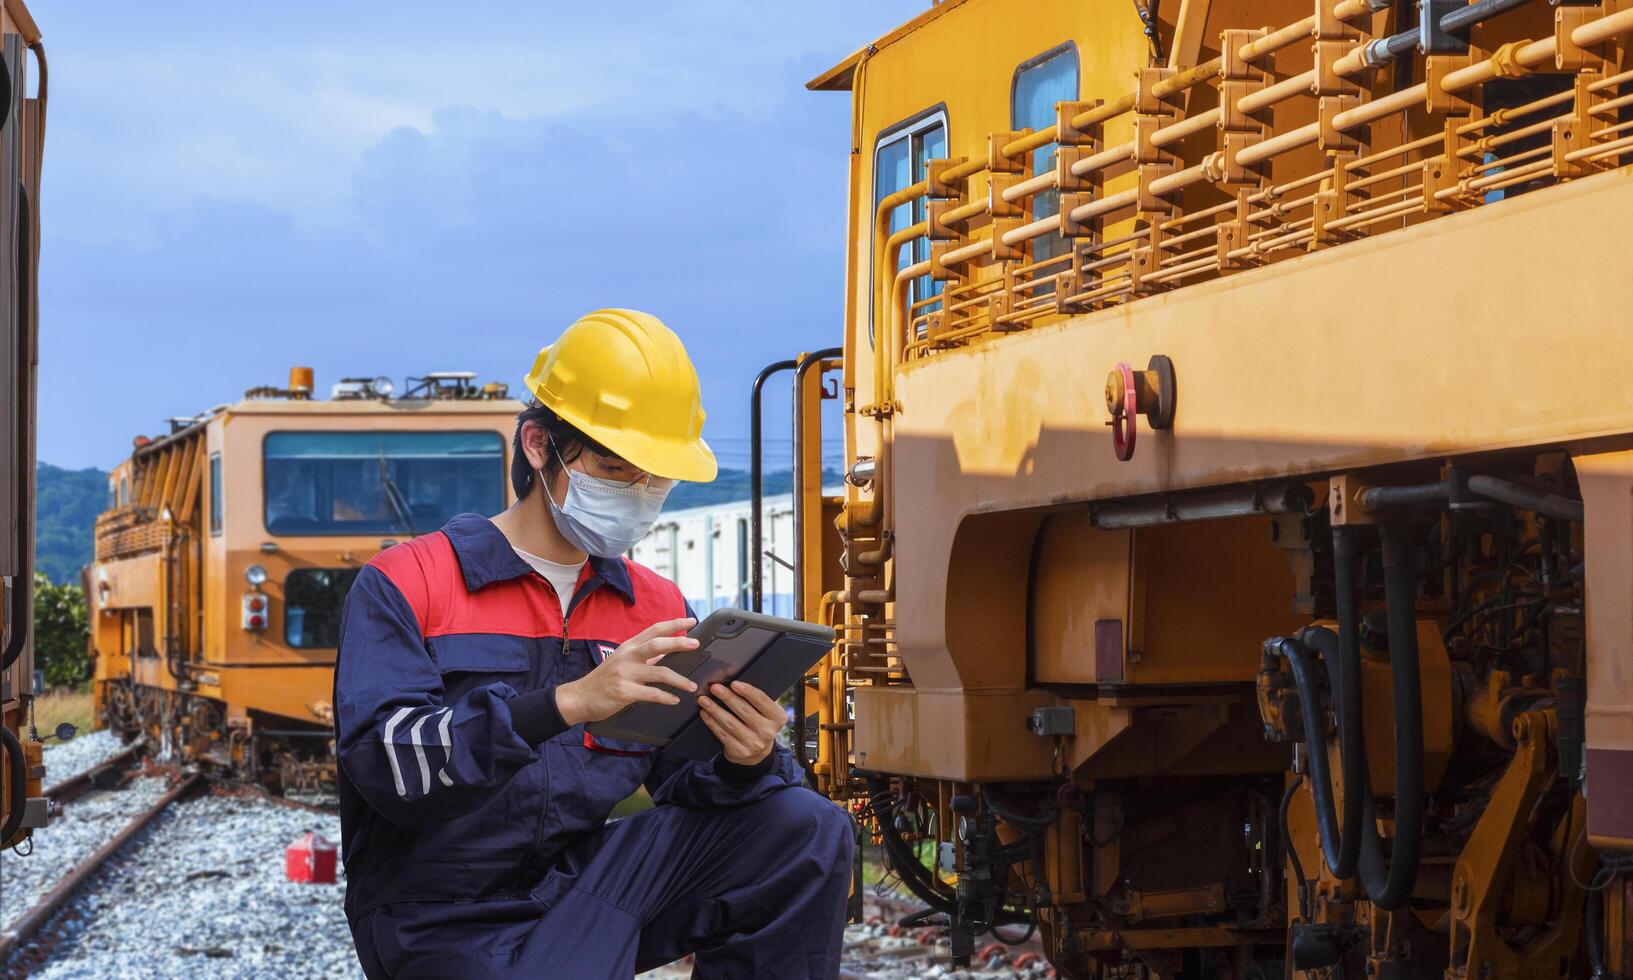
<point x="1344" y="651"/>
<point x="1341" y="850"/>
<point x="1548" y="504"/>
<point x="22" y="589"/>
<point x="19" y="784"/>
<point x="1390" y="887"/>
<point x="915" y="875"/>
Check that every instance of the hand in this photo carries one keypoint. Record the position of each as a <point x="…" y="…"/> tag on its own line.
<point x="745" y="719"/>
<point x="627" y="675"/>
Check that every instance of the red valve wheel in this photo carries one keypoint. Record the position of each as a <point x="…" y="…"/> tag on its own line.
<point x="1122" y="422"/>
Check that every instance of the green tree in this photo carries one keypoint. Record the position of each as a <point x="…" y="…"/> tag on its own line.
<point x="60" y="632"/>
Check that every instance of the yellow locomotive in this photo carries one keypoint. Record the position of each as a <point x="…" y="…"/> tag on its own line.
<point x="1235" y="572"/>
<point x="229" y="544"/>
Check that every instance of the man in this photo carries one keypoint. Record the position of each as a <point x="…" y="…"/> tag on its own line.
<point x="473" y="801"/>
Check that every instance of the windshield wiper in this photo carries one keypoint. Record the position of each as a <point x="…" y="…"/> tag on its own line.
<point x="395" y="498"/>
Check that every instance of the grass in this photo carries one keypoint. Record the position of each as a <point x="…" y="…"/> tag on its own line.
<point x="77" y="707"/>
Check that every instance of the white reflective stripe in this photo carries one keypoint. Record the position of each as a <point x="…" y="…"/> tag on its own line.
<point x="447" y="746"/>
<point x="419" y="752"/>
<point x="391" y="751"/>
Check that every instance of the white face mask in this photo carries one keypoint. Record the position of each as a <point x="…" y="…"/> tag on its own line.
<point x="602" y="517"/>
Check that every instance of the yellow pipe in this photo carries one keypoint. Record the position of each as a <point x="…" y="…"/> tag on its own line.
<point x="1184" y="178"/>
<point x="1369" y="112"/>
<point x="1042" y="182"/>
<point x="1105" y="158"/>
<point x="1300" y="84"/>
<point x="1186" y="127"/>
<point x="1603" y="29"/>
<point x="1105" y="205"/>
<point x="1275" y="41"/>
<point x="1031" y="141"/>
<point x="1036" y="229"/>
<point x="1290" y="140"/>
<point x="963" y="213"/>
<point x="959" y="256"/>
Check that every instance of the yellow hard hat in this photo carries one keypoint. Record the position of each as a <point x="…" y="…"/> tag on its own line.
<point x="623" y="378"/>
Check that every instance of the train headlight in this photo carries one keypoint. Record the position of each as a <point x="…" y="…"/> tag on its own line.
<point x="382" y="387"/>
<point x="255" y="575"/>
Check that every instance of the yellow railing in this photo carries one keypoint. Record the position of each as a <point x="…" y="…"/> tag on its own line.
<point x="1387" y="159"/>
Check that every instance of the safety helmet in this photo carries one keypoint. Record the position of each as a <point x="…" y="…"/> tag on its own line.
<point x="623" y="379"/>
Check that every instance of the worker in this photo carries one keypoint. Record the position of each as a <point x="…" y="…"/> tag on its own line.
<point x="474" y="803"/>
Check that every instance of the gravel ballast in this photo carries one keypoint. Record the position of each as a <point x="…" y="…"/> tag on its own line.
<point x="202" y="893"/>
<point x="66" y="759"/>
<point x="88" y="824"/>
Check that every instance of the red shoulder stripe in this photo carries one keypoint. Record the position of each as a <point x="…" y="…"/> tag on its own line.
<point x="415" y="568"/>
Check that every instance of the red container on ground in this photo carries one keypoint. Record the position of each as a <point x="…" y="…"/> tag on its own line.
<point x="310" y="860"/>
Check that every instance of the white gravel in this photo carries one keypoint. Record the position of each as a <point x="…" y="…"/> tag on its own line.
<point x="82" y="752"/>
<point x="88" y="823"/>
<point x="205" y="894"/>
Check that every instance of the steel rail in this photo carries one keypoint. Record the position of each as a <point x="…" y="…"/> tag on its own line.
<point x="19" y="932"/>
<point x="75" y="786"/>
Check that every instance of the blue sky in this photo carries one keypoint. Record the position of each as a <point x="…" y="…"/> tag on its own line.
<point x="371" y="189"/>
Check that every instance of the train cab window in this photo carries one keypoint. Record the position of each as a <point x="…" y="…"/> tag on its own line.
<point x="312" y="601"/>
<point x="1040" y="83"/>
<point x="325" y="483"/>
<point x="215" y="493"/>
<point x="900" y="159"/>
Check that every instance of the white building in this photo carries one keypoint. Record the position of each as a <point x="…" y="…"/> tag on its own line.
<point x="705" y="551"/>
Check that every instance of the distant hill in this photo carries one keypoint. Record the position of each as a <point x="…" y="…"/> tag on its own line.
<point x="732" y="485"/>
<point x="69" y="501"/>
<point x="65" y="514"/>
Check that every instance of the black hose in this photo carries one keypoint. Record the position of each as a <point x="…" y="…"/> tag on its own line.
<point x="1414" y="495"/>
<point x="19" y="784"/>
<point x="22" y="591"/>
<point x="1525" y="498"/>
<point x="1466" y="17"/>
<point x="1592" y="917"/>
<point x="914" y="874"/>
<point x="1025" y="937"/>
<point x="1341" y="850"/>
<point x="1292" y="851"/>
<point x="1391" y="888"/>
<point x="1346" y="685"/>
<point x="1041" y="821"/>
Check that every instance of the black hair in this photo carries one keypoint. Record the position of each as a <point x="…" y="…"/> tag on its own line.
<point x="568" y="443"/>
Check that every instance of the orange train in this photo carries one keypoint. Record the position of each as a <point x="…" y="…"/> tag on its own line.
<point x="1235" y="572"/>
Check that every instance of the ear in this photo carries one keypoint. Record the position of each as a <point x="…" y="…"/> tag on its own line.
<point x="535" y="445"/>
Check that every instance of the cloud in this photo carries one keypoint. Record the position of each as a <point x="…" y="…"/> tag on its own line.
<point x="395" y="198"/>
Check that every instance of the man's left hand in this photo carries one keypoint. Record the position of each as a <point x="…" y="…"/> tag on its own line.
<point x="745" y="719"/>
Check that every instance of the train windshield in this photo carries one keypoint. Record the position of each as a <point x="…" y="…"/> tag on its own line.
<point x="379" y="482"/>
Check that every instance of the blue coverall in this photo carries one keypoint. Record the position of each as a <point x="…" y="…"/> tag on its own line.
<point x="474" y="820"/>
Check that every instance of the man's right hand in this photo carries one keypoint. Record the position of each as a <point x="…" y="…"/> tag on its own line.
<point x="628" y="675"/>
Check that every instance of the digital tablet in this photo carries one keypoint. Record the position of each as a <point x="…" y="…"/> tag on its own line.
<point x="768" y="652"/>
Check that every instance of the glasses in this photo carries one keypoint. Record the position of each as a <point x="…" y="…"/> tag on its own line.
<point x="619" y="472"/>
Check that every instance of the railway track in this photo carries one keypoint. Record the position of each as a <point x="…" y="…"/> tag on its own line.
<point x="103" y="776"/>
<point x="23" y="941"/>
